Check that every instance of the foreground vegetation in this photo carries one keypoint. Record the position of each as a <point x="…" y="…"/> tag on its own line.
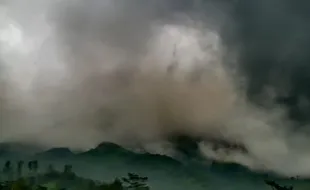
<point x="18" y="177"/>
<point x="15" y="177"/>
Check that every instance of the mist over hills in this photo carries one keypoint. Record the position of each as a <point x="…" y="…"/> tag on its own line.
<point x="187" y="152"/>
<point x="107" y="152"/>
<point x="187" y="165"/>
<point x="109" y="160"/>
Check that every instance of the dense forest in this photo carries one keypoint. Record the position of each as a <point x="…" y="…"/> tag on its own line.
<point x="21" y="177"/>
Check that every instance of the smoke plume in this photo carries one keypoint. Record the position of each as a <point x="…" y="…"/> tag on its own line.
<point x="75" y="73"/>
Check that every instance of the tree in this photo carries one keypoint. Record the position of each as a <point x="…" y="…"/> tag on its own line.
<point x="7" y="170"/>
<point x="115" y="185"/>
<point x="134" y="181"/>
<point x="67" y="169"/>
<point x="30" y="166"/>
<point x="67" y="172"/>
<point x="35" y="165"/>
<point x="7" y="166"/>
<point x="276" y="186"/>
<point x="20" y="165"/>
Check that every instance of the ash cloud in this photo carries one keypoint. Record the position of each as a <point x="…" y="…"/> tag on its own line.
<point x="140" y="72"/>
<point x="274" y="37"/>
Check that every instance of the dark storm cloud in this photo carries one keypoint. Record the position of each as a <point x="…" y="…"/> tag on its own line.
<point x="273" y="41"/>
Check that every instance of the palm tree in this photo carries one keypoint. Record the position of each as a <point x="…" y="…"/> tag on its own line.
<point x="30" y="166"/>
<point x="7" y="170"/>
<point x="20" y="165"/>
<point x="67" y="169"/>
<point x="7" y="166"/>
<point x="115" y="185"/>
<point x="35" y="166"/>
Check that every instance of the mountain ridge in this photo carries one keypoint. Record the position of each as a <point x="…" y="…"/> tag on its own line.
<point x="111" y="152"/>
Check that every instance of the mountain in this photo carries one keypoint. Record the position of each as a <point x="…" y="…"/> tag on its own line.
<point x="105" y="151"/>
<point x="228" y="168"/>
<point x="111" y="152"/>
<point x="109" y="160"/>
<point x="108" y="150"/>
<point x="155" y="160"/>
<point x="56" y="153"/>
<point x="186" y="147"/>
